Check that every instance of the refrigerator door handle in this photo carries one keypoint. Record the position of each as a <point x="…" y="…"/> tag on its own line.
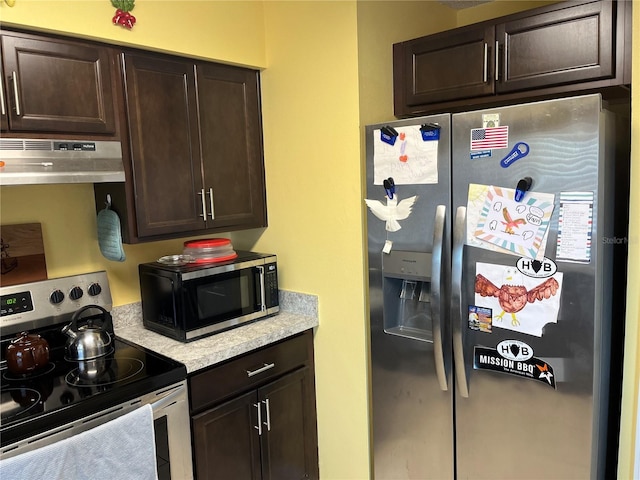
<point x="436" y="295"/>
<point x="456" y="299"/>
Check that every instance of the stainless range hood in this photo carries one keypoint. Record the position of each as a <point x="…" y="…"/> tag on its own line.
<point x="42" y="161"/>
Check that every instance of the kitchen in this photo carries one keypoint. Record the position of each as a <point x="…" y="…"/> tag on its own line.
<point x="341" y="54"/>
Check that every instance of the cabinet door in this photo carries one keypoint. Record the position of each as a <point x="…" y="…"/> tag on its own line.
<point x="231" y="136"/>
<point x="570" y="45"/>
<point x="57" y="86"/>
<point x="446" y="66"/>
<point x="163" y="127"/>
<point x="289" y="445"/>
<point x="226" y="442"/>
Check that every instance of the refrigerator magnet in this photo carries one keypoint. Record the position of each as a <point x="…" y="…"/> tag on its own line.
<point x="519" y="150"/>
<point x="430" y="132"/>
<point x="388" y="135"/>
<point x="489" y="138"/>
<point x="480" y="154"/>
<point x="480" y="318"/>
<point x="490" y="120"/>
<point x="536" y="268"/>
<point x="516" y="358"/>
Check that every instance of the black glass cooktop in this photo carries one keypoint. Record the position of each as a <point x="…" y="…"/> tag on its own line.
<point x="64" y="391"/>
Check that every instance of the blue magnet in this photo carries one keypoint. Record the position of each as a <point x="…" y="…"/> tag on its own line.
<point x="518" y="151"/>
<point x="389" y="187"/>
<point x="523" y="186"/>
<point x="388" y="135"/>
<point x="430" y="131"/>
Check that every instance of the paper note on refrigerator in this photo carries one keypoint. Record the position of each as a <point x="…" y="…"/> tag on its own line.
<point x="574" y="227"/>
<point x="408" y="158"/>
<point x="518" y="228"/>
<point x="518" y="302"/>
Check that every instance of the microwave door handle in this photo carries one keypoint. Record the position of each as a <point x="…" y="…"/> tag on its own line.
<point x="263" y="302"/>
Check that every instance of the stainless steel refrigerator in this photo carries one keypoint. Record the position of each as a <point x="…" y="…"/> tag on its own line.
<point x="494" y="322"/>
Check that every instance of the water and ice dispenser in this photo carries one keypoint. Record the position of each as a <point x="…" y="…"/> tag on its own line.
<point x="406" y="283"/>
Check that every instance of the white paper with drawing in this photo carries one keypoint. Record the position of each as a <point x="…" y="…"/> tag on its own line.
<point x="518" y="228"/>
<point x="410" y="160"/>
<point x="518" y="302"/>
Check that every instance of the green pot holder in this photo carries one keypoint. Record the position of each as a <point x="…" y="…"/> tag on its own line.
<point x="110" y="235"/>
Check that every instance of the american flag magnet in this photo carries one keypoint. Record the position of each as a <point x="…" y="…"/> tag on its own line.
<point x="489" y="138"/>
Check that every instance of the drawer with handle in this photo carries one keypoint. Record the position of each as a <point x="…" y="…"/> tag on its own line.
<point x="249" y="371"/>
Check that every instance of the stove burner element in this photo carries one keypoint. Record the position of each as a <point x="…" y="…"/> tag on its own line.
<point x="19" y="400"/>
<point x="22" y="377"/>
<point x="97" y="374"/>
<point x="75" y="360"/>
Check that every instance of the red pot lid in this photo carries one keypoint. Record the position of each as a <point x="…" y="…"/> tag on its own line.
<point x="208" y="243"/>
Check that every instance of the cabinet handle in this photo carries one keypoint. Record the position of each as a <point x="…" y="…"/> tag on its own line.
<point x="2" y="104"/>
<point x="15" y="92"/>
<point x="212" y="214"/>
<point x="204" y="205"/>
<point x="268" y="422"/>
<point x="505" y="77"/>
<point x="486" y="58"/>
<point x="264" y="368"/>
<point x="497" y="55"/>
<point x="259" y="426"/>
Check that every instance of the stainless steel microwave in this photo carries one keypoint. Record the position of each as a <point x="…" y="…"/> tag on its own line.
<point x="191" y="301"/>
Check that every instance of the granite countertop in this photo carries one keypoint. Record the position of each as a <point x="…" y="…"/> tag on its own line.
<point x="298" y="312"/>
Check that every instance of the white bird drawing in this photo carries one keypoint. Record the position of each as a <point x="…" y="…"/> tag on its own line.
<point x="392" y="211"/>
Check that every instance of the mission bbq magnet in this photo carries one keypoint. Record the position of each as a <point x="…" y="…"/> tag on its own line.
<point x="514" y="357"/>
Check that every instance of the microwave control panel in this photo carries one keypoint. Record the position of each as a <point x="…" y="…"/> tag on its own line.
<point x="271" y="285"/>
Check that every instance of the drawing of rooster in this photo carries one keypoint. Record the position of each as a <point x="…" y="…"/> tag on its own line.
<point x="513" y="296"/>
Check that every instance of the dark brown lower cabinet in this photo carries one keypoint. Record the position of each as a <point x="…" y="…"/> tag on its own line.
<point x="266" y="432"/>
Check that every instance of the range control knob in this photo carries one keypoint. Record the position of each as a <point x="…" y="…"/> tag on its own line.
<point x="56" y="297"/>
<point x="75" y="293"/>
<point x="94" y="289"/>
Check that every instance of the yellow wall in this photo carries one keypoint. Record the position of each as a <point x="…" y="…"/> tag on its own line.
<point x="628" y="421"/>
<point x="227" y="31"/>
<point x="328" y="73"/>
<point x="310" y="108"/>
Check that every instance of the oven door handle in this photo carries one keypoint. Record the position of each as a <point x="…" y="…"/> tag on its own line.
<point x="169" y="399"/>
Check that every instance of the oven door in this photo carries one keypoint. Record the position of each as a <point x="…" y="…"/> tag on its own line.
<point x="171" y="428"/>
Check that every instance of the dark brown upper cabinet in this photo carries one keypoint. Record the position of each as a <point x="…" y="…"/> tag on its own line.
<point x="571" y="45"/>
<point x="195" y="146"/>
<point x="434" y="66"/>
<point x="555" y="50"/>
<point x="50" y="85"/>
<point x="162" y="114"/>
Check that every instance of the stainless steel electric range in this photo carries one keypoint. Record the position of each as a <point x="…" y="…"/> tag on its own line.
<point x="66" y="396"/>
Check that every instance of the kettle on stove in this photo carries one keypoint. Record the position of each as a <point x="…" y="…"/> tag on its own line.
<point x="88" y="341"/>
<point x="26" y="353"/>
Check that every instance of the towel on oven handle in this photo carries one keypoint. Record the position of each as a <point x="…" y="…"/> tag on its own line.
<point x="121" y="448"/>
